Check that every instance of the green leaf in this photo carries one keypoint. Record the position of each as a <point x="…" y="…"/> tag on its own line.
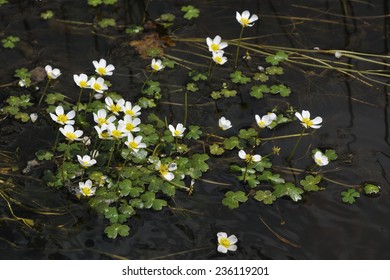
<point x="151" y="88"/>
<point x="350" y="196"/>
<point x="265" y="196"/>
<point x="148" y="198"/>
<point x="274" y="70"/>
<point x="168" y="189"/>
<point x="371" y="189"/>
<point x="233" y="142"/>
<point x="134" y="29"/>
<point x="238" y="78"/>
<point x="310" y="183"/>
<point x="144" y="103"/>
<point x="111" y="213"/>
<point x="192" y="87"/>
<point x="24" y="117"/>
<point x="288" y="189"/>
<point x="158" y="204"/>
<point x="197" y="76"/>
<point x="194" y="132"/>
<point x="250" y="179"/>
<point x="247" y="133"/>
<point x="155" y="184"/>
<point x="127" y="210"/>
<point x="215" y="149"/>
<point x="262" y="77"/>
<point x="116" y="229"/>
<point x="233" y="199"/>
<point x="277" y="58"/>
<point x="169" y="63"/>
<point x="263" y="164"/>
<point x="281" y="89"/>
<point x="167" y="17"/>
<point x="274" y="179"/>
<point x="257" y="91"/>
<point x="331" y="154"/>
<point x="106" y="22"/>
<point x="110" y="2"/>
<point x="44" y="155"/>
<point x="94" y="3"/>
<point x="190" y="12"/>
<point x="9" y="42"/>
<point x="47" y="14"/>
<point x="199" y="162"/>
<point x="53" y="98"/>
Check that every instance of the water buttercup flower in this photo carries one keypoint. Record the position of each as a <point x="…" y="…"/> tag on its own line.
<point x="245" y="20"/>
<point x="52" y="73"/>
<point x="165" y="170"/>
<point x="248" y="158"/>
<point x="116" y="107"/>
<point x="226" y="243"/>
<point x="130" y="110"/>
<point x="97" y="85"/>
<point x="134" y="143"/>
<point x="178" y="131"/>
<point x="81" y="80"/>
<point x="86" y="188"/>
<point x="215" y="44"/>
<point x="224" y="123"/>
<point x="60" y="116"/>
<point x="86" y="161"/>
<point x="157" y="65"/>
<point x="115" y="132"/>
<point x="102" y="68"/>
<point x="128" y="124"/>
<point x="71" y="134"/>
<point x="265" y="120"/>
<point x="102" y="132"/>
<point x="101" y="117"/>
<point x="219" y="58"/>
<point x="320" y="159"/>
<point x="307" y="122"/>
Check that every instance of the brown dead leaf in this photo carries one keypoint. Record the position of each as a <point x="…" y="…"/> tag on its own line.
<point x="152" y="40"/>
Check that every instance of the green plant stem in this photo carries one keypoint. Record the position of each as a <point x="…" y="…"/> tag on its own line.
<point x="63" y="161"/>
<point x="110" y="157"/>
<point x="238" y="47"/>
<point x="245" y="172"/>
<point x="147" y="80"/>
<point x="185" y="107"/>
<point x="44" y="92"/>
<point x="296" y="145"/>
<point x="78" y="101"/>
<point x="124" y="165"/>
<point x="90" y="97"/>
<point x="145" y="11"/>
<point x="56" y="141"/>
<point x="211" y="70"/>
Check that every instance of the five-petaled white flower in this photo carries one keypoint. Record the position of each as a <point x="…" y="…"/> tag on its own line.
<point x="226" y="243"/>
<point x="224" y="123"/>
<point x="102" y="68"/>
<point x="116" y="107"/>
<point x="128" y="124"/>
<point x="130" y="110"/>
<point x="245" y="20"/>
<point x="248" y="157"/>
<point x="219" y="58"/>
<point x="215" y="44"/>
<point x="157" y="65"/>
<point x="102" y="132"/>
<point x="81" y="80"/>
<point x="86" y="161"/>
<point x="178" y="131"/>
<point x="97" y="85"/>
<point x="134" y="143"/>
<point x="101" y="117"/>
<point x="86" y="188"/>
<point x="61" y="117"/>
<point x="165" y="170"/>
<point x="114" y="131"/>
<point x="265" y="120"/>
<point x="320" y="159"/>
<point x="52" y="73"/>
<point x="71" y="134"/>
<point x="307" y="122"/>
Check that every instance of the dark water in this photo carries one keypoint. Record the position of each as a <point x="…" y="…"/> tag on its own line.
<point x="356" y="125"/>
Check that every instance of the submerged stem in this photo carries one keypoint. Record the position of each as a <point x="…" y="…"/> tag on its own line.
<point x="185" y="107"/>
<point x="78" y="101"/>
<point x="296" y="145"/>
<point x="44" y="92"/>
<point x="238" y="46"/>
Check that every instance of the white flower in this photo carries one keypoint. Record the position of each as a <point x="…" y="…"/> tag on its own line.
<point x="86" y="161"/>
<point x="219" y="58"/>
<point x="22" y="83"/>
<point x="102" y="132"/>
<point x="52" y="73"/>
<point x="178" y="131"/>
<point x="101" y="117"/>
<point x="338" y="54"/>
<point x="70" y="134"/>
<point x="102" y="68"/>
<point x="86" y="188"/>
<point x="215" y="44"/>
<point x="248" y="157"/>
<point x="224" y="123"/>
<point x="33" y="117"/>
<point x="307" y="122"/>
<point x="157" y="65"/>
<point x="86" y="140"/>
<point x="114" y="132"/>
<point x="226" y="243"/>
<point x="130" y="110"/>
<point x="245" y="20"/>
<point x="265" y="120"/>
<point x="97" y="85"/>
<point x="164" y="170"/>
<point x="134" y="143"/>
<point x="115" y="108"/>
<point x="128" y="124"/>
<point x="61" y="118"/>
<point x="94" y="153"/>
<point x="320" y="158"/>
<point x="81" y="80"/>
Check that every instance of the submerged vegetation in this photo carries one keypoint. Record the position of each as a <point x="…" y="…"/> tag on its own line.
<point x="124" y="156"/>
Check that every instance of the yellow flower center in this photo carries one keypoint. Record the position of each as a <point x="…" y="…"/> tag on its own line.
<point x="163" y="169"/>
<point x="97" y="86"/>
<point x="116" y="133"/>
<point x="177" y="133"/>
<point x="83" y="84"/>
<point x="129" y="126"/>
<point x="214" y="47"/>
<point x="102" y="121"/>
<point x="62" y="118"/>
<point x="102" y="71"/>
<point x="225" y="242"/>
<point x="115" y="108"/>
<point x="261" y="124"/>
<point x="248" y="158"/>
<point x="86" y="191"/>
<point x="85" y="163"/>
<point x="244" y="21"/>
<point x="156" y="67"/>
<point x="70" y="136"/>
<point x="307" y="121"/>
<point x="130" y="112"/>
<point x="133" y="145"/>
<point x="104" y="134"/>
<point x="218" y="59"/>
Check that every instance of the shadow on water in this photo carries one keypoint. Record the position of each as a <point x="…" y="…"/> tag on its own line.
<point x="319" y="227"/>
